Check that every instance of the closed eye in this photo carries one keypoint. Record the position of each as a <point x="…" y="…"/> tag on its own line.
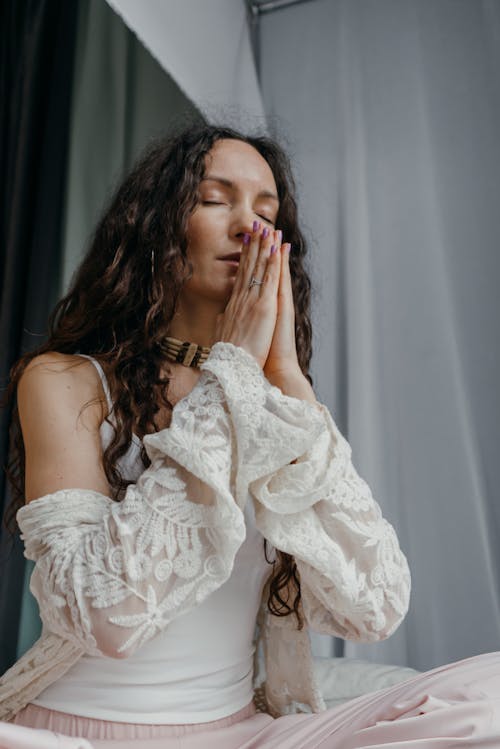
<point x="213" y="202"/>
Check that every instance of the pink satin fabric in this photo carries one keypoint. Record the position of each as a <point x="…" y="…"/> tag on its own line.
<point x="452" y="706"/>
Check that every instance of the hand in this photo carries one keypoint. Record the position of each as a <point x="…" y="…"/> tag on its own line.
<point x="249" y="318"/>
<point x="282" y="358"/>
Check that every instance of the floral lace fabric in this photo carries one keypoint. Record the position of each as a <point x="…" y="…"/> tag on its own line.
<point x="109" y="576"/>
<point x="355" y="581"/>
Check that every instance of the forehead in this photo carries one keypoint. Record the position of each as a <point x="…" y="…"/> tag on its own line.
<point x="239" y="162"/>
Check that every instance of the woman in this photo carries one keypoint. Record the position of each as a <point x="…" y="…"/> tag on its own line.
<point x="171" y="443"/>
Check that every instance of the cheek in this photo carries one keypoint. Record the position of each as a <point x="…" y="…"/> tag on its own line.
<point x="194" y="228"/>
<point x="196" y="244"/>
<point x="203" y="234"/>
<point x="203" y="228"/>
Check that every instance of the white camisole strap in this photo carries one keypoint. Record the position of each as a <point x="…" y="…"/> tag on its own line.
<point x="103" y="379"/>
<point x="105" y="426"/>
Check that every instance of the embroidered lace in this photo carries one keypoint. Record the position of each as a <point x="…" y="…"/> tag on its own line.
<point x="109" y="576"/>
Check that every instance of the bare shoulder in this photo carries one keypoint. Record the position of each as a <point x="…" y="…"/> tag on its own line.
<point x="61" y="407"/>
<point x="56" y="363"/>
<point x="53" y="375"/>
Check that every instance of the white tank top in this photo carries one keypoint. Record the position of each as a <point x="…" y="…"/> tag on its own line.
<point x="200" y="668"/>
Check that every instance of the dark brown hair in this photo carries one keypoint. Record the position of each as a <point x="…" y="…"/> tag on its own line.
<point x="117" y="311"/>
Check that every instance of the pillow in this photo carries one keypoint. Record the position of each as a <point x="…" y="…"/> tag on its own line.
<point x="343" y="679"/>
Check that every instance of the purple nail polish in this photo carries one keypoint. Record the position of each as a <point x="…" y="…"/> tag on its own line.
<point x="273" y="249"/>
<point x="265" y="233"/>
<point x="246" y="238"/>
<point x="256" y="225"/>
<point x="280" y="235"/>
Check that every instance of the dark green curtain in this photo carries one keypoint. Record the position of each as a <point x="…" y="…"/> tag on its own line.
<point x="36" y="72"/>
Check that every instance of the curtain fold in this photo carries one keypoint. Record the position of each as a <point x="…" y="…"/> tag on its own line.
<point x="393" y="118"/>
<point x="37" y="43"/>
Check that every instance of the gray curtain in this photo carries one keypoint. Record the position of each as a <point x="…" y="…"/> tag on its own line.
<point x="391" y="110"/>
<point x="122" y="98"/>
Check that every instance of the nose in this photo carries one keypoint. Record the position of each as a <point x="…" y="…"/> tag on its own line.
<point x="243" y="222"/>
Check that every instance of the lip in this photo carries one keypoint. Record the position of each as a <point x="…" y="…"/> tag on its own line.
<point x="231" y="256"/>
<point x="230" y="262"/>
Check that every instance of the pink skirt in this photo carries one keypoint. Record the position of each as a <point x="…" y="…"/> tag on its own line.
<point x="452" y="706"/>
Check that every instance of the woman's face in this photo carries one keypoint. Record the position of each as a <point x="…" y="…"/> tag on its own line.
<point x="238" y="188"/>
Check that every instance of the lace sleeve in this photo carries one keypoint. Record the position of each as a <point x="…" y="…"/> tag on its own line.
<point x="355" y="580"/>
<point x="109" y="575"/>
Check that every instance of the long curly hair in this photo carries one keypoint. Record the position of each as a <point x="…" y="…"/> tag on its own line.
<point x="118" y="311"/>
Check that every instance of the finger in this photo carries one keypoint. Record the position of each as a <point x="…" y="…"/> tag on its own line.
<point x="285" y="287"/>
<point x="251" y="253"/>
<point x="238" y="279"/>
<point x="272" y="274"/>
<point x="263" y="257"/>
<point x="256" y="257"/>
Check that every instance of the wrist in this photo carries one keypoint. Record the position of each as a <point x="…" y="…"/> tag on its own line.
<point x="294" y="384"/>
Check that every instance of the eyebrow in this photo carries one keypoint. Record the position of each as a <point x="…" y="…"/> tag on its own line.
<point x="228" y="183"/>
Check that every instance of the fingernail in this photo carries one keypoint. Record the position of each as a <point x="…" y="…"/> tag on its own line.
<point x="265" y="233"/>
<point x="246" y="238"/>
<point x="256" y="225"/>
<point x="280" y="235"/>
<point x="288" y="248"/>
<point x="273" y="249"/>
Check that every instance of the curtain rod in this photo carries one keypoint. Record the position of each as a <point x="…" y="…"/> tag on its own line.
<point x="254" y="11"/>
<point x="269" y="5"/>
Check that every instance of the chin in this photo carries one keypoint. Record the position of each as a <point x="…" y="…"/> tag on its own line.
<point x="223" y="292"/>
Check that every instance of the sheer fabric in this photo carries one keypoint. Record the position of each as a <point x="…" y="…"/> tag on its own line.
<point x="109" y="576"/>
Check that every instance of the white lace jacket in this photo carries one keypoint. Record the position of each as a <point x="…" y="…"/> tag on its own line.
<point x="110" y="575"/>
